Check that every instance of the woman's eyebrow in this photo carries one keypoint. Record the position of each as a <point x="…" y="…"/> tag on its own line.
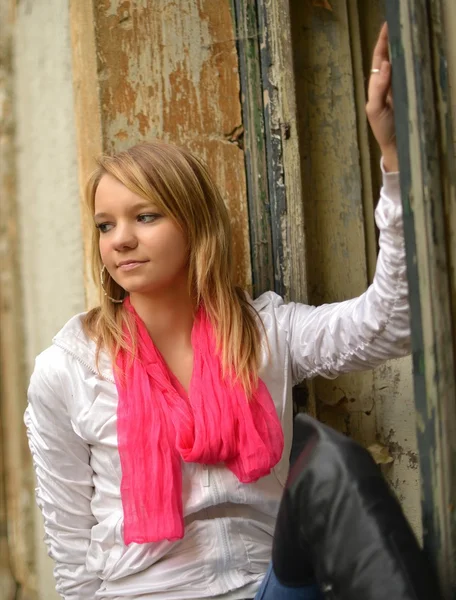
<point x="132" y="209"/>
<point x="101" y="216"/>
<point x="142" y="205"/>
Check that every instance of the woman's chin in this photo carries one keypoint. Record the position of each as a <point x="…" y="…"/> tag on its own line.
<point x="148" y="289"/>
<point x="160" y="286"/>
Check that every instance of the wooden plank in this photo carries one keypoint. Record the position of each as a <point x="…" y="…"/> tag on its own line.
<point x="444" y="78"/>
<point x="265" y="60"/>
<point x="449" y="25"/>
<point x="254" y="144"/>
<point x="278" y="72"/>
<point x="427" y="191"/>
<point x="368" y="148"/>
<point x="271" y="144"/>
<point x="332" y="194"/>
<point x="284" y="162"/>
<point x="17" y="567"/>
<point x="87" y="116"/>
<point x="274" y="154"/>
<point x="7" y="581"/>
<point x="371" y="17"/>
<point x="393" y="386"/>
<point x="170" y="71"/>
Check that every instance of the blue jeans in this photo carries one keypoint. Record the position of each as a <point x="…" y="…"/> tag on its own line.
<point x="271" y="589"/>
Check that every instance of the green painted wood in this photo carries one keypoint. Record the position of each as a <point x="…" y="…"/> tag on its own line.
<point x="247" y="34"/>
<point x="274" y="153"/>
<point x="427" y="182"/>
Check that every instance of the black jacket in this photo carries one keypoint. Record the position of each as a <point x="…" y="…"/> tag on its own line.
<point x="340" y="524"/>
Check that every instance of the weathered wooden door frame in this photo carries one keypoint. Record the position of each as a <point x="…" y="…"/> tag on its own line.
<point x="262" y="147"/>
<point x="422" y="109"/>
<point x="271" y="145"/>
<point x="428" y="184"/>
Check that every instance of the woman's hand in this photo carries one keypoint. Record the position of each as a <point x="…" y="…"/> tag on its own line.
<point x="379" y="108"/>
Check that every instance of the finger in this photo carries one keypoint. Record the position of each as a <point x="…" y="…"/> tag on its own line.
<point x="381" y="48"/>
<point x="379" y="88"/>
<point x="389" y="99"/>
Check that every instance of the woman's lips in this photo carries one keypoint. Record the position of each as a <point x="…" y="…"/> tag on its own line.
<point x="131" y="265"/>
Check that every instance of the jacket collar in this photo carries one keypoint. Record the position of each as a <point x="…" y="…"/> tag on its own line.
<point x="73" y="340"/>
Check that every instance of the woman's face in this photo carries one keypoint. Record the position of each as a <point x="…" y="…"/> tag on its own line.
<point x="143" y="250"/>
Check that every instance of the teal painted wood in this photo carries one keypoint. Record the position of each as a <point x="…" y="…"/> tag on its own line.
<point x="274" y="155"/>
<point x="427" y="182"/>
<point x="263" y="148"/>
<point x="247" y="32"/>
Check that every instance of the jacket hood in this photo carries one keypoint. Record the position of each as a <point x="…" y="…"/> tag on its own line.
<point x="73" y="339"/>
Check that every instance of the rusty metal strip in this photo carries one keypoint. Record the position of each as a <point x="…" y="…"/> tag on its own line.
<point x="425" y="176"/>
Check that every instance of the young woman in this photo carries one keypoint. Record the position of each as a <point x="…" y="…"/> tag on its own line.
<point x="160" y="422"/>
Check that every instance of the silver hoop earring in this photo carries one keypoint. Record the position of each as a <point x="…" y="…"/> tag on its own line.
<point x="103" y="288"/>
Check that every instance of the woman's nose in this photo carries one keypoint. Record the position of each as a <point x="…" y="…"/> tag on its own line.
<point x="124" y="238"/>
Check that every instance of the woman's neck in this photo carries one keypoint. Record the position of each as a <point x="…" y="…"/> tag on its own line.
<point x="168" y="316"/>
<point x="169" y="320"/>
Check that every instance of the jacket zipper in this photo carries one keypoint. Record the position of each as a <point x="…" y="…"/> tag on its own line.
<point x="206" y="476"/>
<point x="206" y="473"/>
<point x="222" y="530"/>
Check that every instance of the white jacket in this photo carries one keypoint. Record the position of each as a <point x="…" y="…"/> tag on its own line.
<point x="71" y="423"/>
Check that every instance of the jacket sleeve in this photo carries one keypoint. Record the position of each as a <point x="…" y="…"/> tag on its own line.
<point x="361" y="333"/>
<point x="64" y="480"/>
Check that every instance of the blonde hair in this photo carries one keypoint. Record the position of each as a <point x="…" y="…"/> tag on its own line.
<point x="180" y="185"/>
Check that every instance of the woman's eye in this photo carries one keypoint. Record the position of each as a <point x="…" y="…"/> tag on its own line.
<point x="103" y="227"/>
<point x="148" y="218"/>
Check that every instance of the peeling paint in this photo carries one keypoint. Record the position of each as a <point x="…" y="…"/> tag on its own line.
<point x="427" y="181"/>
<point x="256" y="159"/>
<point x="332" y="191"/>
<point x="339" y="224"/>
<point x="169" y="71"/>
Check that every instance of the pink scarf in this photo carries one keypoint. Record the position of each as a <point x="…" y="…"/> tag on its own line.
<point x="157" y="428"/>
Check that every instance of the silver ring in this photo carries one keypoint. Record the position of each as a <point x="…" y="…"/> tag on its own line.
<point x="375" y="70"/>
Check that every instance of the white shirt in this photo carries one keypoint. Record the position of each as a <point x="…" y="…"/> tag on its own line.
<point x="71" y="425"/>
